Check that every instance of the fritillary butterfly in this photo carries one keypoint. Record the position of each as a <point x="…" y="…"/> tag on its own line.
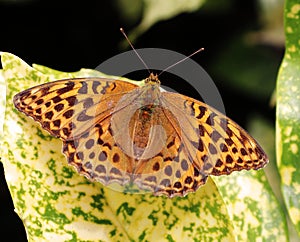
<point x="116" y="131"/>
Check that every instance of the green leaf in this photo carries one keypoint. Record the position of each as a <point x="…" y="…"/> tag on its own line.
<point x="155" y="11"/>
<point x="2" y="105"/>
<point x="287" y="116"/>
<point x="129" y="10"/>
<point x="246" y="67"/>
<point x="55" y="203"/>
<point x="254" y="210"/>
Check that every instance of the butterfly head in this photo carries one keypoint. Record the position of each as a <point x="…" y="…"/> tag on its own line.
<point x="152" y="79"/>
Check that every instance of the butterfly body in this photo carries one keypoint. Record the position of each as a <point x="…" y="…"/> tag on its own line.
<point x="115" y="131"/>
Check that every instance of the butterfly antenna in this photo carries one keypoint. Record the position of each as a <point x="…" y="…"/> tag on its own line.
<point x="123" y="32"/>
<point x="169" y="67"/>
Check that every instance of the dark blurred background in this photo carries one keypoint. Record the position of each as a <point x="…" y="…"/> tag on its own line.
<point x="243" y="43"/>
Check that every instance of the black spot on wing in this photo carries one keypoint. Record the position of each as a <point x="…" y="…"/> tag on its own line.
<point x="68" y="87"/>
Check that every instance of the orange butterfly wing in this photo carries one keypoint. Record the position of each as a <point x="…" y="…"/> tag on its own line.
<point x="115" y="131"/>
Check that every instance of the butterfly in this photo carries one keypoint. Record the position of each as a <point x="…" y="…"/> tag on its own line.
<point x="116" y="131"/>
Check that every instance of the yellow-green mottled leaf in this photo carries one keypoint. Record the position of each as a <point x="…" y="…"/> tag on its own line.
<point x="55" y="74"/>
<point x="254" y="210"/>
<point x="288" y="113"/>
<point x="57" y="204"/>
<point x="2" y="106"/>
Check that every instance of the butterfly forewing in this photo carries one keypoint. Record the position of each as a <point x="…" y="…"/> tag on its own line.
<point x="67" y="108"/>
